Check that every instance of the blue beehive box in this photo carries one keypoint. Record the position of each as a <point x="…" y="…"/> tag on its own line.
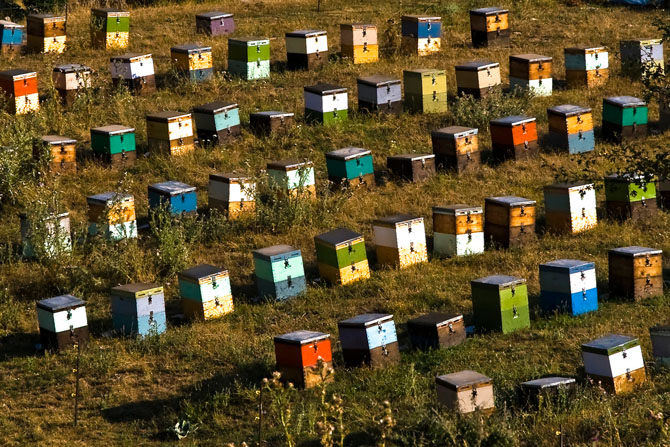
<point x="10" y="33"/>
<point x="217" y="122"/>
<point x="138" y="309"/>
<point x="178" y="197"/>
<point x="280" y="273"/>
<point x="369" y="339"/>
<point x="568" y="285"/>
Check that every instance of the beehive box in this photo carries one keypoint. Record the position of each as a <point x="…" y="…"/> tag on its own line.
<point x="663" y="192"/>
<point x="465" y="392"/>
<point x="138" y="309"/>
<point x="640" y="55"/>
<point x="546" y="389"/>
<point x="249" y="57"/>
<point x="400" y="240"/>
<point x="112" y="215"/>
<point x="271" y="121"/>
<point x="412" y="167"/>
<point x="59" y="153"/>
<point x="570" y="207"/>
<point x="635" y="272"/>
<point x="571" y="128"/>
<point x="532" y="72"/>
<point x="568" y="285"/>
<point x="326" y="103"/>
<point x="294" y="177"/>
<point x="135" y="71"/>
<point x="421" y="35"/>
<point x="115" y="144"/>
<point x="279" y="272"/>
<point x="304" y="358"/>
<point x="11" y="38"/>
<point x="46" y="33"/>
<point x="489" y="27"/>
<point x="69" y="80"/>
<point x="614" y="362"/>
<point x="20" y="86"/>
<point x="660" y="344"/>
<point x="458" y="230"/>
<point x="358" y="42"/>
<point x="205" y="292"/>
<point x="232" y="194"/>
<point x="630" y="196"/>
<point x="350" y="167"/>
<point x="456" y="148"/>
<point x="369" y="339"/>
<point x="380" y="93"/>
<point x="215" y="23"/>
<point x="436" y="330"/>
<point x="62" y="321"/>
<point x="476" y="78"/>
<point x="306" y="49"/>
<point x="514" y="137"/>
<point x="110" y="28"/>
<point x="509" y="221"/>
<point x="500" y="303"/>
<point x="170" y="132"/>
<point x="54" y="235"/>
<point x="194" y="60"/>
<point x="341" y="256"/>
<point x="624" y="118"/>
<point x="177" y="197"/>
<point x="217" y="122"/>
<point x="586" y="66"/>
<point x="425" y="90"/>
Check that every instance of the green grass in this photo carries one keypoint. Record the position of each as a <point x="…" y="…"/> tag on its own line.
<point x="133" y="392"/>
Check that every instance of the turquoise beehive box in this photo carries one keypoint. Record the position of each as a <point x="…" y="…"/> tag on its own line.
<point x="279" y="272"/>
<point x="350" y="166"/>
<point x="138" y="309"/>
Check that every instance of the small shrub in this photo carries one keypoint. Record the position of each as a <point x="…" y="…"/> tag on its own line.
<point x="473" y="112"/>
<point x="172" y="236"/>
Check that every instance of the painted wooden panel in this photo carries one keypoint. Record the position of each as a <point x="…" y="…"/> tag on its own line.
<point x="62" y="321"/>
<point x="613" y="365"/>
<point x="458" y="245"/>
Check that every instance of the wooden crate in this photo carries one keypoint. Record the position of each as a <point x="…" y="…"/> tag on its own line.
<point x="55" y="237"/>
<point x="59" y="153"/>
<point x="110" y="28"/>
<point x="625" y="118"/>
<point x="465" y="392"/>
<point x="547" y="389"/>
<point x="46" y="33"/>
<point x="421" y="35"/>
<point x="293" y="177"/>
<point x="571" y="128"/>
<point x="425" y="90"/>
<point x="69" y="80"/>
<point x="476" y="78"/>
<point x="358" y="42"/>
<point x="306" y="49"/>
<point x="532" y="72"/>
<point x="193" y="60"/>
<point x="380" y="93"/>
<point x="586" y="66"/>
<point x="500" y="304"/>
<point x="640" y="55"/>
<point x="249" y="57"/>
<point x="412" y="167"/>
<point x="115" y="144"/>
<point x="135" y="71"/>
<point x="170" y="132"/>
<point x="630" y="196"/>
<point x="20" y="86"/>
<point x="272" y="121"/>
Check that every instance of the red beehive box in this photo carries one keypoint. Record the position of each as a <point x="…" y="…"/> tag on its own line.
<point x="514" y="137"/>
<point x="304" y="357"/>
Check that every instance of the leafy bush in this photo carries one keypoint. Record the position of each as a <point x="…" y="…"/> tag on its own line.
<point x="473" y="112"/>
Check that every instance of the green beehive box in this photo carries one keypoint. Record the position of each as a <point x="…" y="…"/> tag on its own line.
<point x="113" y="139"/>
<point x="500" y="303"/>
<point x="625" y="111"/>
<point x="249" y="49"/>
<point x="629" y="188"/>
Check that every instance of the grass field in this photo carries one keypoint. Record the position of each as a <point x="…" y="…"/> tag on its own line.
<point x="208" y="373"/>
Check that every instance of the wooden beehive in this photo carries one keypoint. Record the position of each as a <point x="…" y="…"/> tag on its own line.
<point x="194" y="60"/>
<point x="421" y="35"/>
<point x="306" y="49"/>
<point x="369" y="339"/>
<point x="509" y="221"/>
<point x="249" y="57"/>
<point x="232" y="194"/>
<point x="546" y="389"/>
<point x="500" y="303"/>
<point x="62" y="321"/>
<point x="571" y="128"/>
<point x="660" y="344"/>
<point x="514" y="137"/>
<point x="570" y="207"/>
<point x="641" y="55"/>
<point x="170" y="132"/>
<point x="458" y="230"/>
<point x="138" y="309"/>
<point x="46" y="33"/>
<point x="59" y="153"/>
<point x="341" y="256"/>
<point x="304" y="358"/>
<point x="215" y="23"/>
<point x="135" y="71"/>
<point x="380" y="93"/>
<point x="532" y="72"/>
<point x="272" y="121"/>
<point x="326" y="103"/>
<point x="217" y="122"/>
<point x="635" y="272"/>
<point x="115" y="144"/>
<point x="412" y="167"/>
<point x="400" y="240"/>
<point x="110" y="28"/>
<point x="489" y="27"/>
<point x="112" y="215"/>
<point x="625" y="118"/>
<point x="20" y="86"/>
<point x="425" y="90"/>
<point x="11" y="38"/>
<point x="350" y="167"/>
<point x="69" y="80"/>
<point x="476" y="78"/>
<point x="294" y="177"/>
<point x="586" y="66"/>
<point x="630" y="196"/>
<point x="615" y="363"/>
<point x="279" y="272"/>
<point x="456" y="148"/>
<point x="179" y="198"/>
<point x="465" y="392"/>
<point x="205" y="292"/>
<point x="436" y="330"/>
<point x="568" y="285"/>
<point x="54" y="235"/>
<point x="358" y="42"/>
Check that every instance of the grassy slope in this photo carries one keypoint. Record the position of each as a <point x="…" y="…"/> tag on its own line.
<point x="133" y="391"/>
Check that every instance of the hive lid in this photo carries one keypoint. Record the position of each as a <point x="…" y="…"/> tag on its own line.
<point x="499" y="281"/>
<point x="583" y="49"/>
<point x="477" y="65"/>
<point x="201" y="271"/>
<point x="128" y="57"/>
<point x="289" y="165"/>
<point x="112" y="129"/>
<point x="435" y="319"/>
<point x="635" y="251"/>
<point x="230" y="177"/>
<point x="138" y="288"/>
<point x="167" y="115"/>
<point x="11" y="74"/>
<point x="548" y="382"/>
<point x="348" y="153"/>
<point x="172" y="188"/>
<point x="215" y="107"/>
<point x="458" y="209"/>
<point x="610" y="344"/>
<point x="338" y="236"/>
<point x="454" y="132"/>
<point x="564" y="186"/>
<point x="420" y="18"/>
<point x="624" y="101"/>
<point x="271" y="113"/>
<point x="8" y="24"/>
<point x="44" y="16"/>
<point x="424" y="71"/>
<point x="71" y="68"/>
<point x="510" y="201"/>
<point x="395" y="219"/>
<point x="57" y="139"/>
<point x="462" y="379"/>
<point x="275" y="250"/>
<point x="358" y="25"/>
<point x="510" y="121"/>
<point x="571" y="265"/>
<point x="411" y="157"/>
<point x="106" y="197"/>
<point x="365" y="320"/>
<point x="642" y="42"/>
<point x="213" y="15"/>
<point x="51" y="216"/>
<point x="491" y="10"/>
<point x="301" y="337"/>
<point x="249" y="40"/>
<point x="378" y="80"/>
<point x="568" y="110"/>
<point x="662" y="329"/>
<point x="106" y="10"/>
<point x="325" y="89"/>
<point x="530" y="58"/>
<point x="629" y="178"/>
<point x="189" y="48"/>
<point x="306" y="33"/>
<point x="60" y="303"/>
